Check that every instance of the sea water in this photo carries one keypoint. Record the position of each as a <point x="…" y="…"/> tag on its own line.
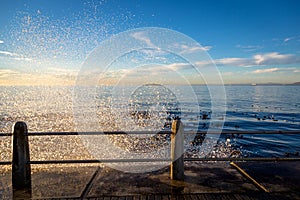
<point x="248" y="108"/>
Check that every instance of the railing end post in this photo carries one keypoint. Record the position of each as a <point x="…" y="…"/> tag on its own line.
<point x="21" y="172"/>
<point x="177" y="151"/>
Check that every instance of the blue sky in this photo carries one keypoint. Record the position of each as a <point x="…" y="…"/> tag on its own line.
<point x="46" y="42"/>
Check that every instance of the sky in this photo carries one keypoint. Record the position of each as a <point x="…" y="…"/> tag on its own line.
<point x="45" y="42"/>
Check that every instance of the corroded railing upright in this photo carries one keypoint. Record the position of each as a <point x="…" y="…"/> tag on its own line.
<point x="21" y="172"/>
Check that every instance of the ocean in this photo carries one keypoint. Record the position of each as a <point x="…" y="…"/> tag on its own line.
<point x="152" y="107"/>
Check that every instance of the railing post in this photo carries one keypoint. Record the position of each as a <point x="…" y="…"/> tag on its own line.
<point x="177" y="150"/>
<point x="21" y="173"/>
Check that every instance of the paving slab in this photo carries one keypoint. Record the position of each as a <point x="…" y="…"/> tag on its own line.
<point x="50" y="182"/>
<point x="61" y="181"/>
<point x="199" y="178"/>
<point x="275" y="176"/>
<point x="5" y="183"/>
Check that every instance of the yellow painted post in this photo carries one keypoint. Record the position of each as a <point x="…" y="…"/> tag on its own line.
<point x="177" y="150"/>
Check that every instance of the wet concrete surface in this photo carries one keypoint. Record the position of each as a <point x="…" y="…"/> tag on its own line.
<point x="200" y="177"/>
<point x="275" y="176"/>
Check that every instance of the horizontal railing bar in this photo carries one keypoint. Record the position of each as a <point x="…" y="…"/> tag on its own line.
<point x="5" y="134"/>
<point x="154" y="132"/>
<point x="100" y="133"/>
<point x="51" y="133"/>
<point x="152" y="160"/>
<point x="5" y="163"/>
<point x="159" y="132"/>
<point x="266" y="159"/>
<point x="98" y="161"/>
<point x="257" y="132"/>
<point x="160" y="160"/>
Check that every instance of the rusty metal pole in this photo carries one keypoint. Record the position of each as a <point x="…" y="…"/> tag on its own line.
<point x="21" y="172"/>
<point x="177" y="150"/>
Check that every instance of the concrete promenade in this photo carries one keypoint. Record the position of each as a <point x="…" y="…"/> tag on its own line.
<point x="203" y="180"/>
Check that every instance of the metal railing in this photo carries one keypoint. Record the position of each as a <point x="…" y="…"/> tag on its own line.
<point x="225" y="132"/>
<point x="21" y="170"/>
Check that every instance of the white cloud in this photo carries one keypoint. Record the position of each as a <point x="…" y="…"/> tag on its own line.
<point x="14" y="56"/>
<point x="179" y="66"/>
<point x="269" y="70"/>
<point x="191" y="49"/>
<point x="1" y="41"/>
<point x="114" y="73"/>
<point x="288" y="39"/>
<point x="188" y="49"/>
<point x="146" y="71"/>
<point x="22" y="59"/>
<point x="142" y="37"/>
<point x="61" y="70"/>
<point x="227" y="74"/>
<point x="261" y="71"/>
<point x="273" y="58"/>
<point x="182" y="48"/>
<point x="7" y="53"/>
<point x="249" y="48"/>
<point x="240" y="62"/>
<point x="151" y="53"/>
<point x="206" y="48"/>
<point x="7" y="72"/>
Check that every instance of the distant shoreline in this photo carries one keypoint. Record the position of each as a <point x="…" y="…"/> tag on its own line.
<point x="257" y="84"/>
<point x="155" y="84"/>
<point x="265" y="84"/>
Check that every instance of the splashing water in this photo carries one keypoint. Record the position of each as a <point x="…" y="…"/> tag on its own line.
<point x="57" y="47"/>
<point x="48" y="43"/>
<point x="152" y="58"/>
